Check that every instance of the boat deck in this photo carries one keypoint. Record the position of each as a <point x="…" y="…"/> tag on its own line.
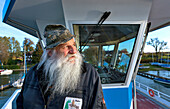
<point x="144" y="102"/>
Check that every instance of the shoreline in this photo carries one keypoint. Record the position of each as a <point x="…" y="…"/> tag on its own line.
<point x="19" y="69"/>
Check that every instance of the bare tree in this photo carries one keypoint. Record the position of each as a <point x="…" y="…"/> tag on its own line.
<point x="158" y="45"/>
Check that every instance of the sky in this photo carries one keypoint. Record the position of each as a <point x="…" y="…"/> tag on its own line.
<point x="9" y="31"/>
<point x="162" y="34"/>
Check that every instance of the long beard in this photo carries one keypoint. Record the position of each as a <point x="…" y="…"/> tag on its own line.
<point x="62" y="74"/>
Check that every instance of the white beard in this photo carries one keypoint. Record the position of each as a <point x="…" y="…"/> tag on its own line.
<point x="62" y="74"/>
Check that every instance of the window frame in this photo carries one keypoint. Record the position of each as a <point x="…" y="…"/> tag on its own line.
<point x="135" y="51"/>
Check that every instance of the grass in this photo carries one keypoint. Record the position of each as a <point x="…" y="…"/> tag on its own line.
<point x="153" y="68"/>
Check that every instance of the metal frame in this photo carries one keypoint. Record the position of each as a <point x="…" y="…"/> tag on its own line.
<point x="8" y="104"/>
<point x="158" y="96"/>
<point x="25" y="26"/>
<point x="135" y="52"/>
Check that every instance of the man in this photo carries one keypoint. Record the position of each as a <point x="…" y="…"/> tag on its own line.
<point x="61" y="80"/>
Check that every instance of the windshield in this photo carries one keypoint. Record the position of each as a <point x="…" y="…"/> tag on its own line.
<point x="108" y="48"/>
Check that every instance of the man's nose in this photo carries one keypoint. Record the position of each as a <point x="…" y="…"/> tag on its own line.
<point x="73" y="50"/>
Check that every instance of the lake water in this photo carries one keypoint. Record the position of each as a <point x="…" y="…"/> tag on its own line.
<point x="4" y="79"/>
<point x="4" y="95"/>
<point x="162" y="73"/>
<point x="149" y="82"/>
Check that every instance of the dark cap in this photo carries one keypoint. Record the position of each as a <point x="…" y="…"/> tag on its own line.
<point x="56" y="34"/>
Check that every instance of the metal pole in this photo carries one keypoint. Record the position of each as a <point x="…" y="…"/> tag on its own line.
<point x="152" y="57"/>
<point x="134" y="91"/>
<point x="40" y="40"/>
<point x="24" y="57"/>
<point x="137" y="64"/>
<point x="25" y="61"/>
<point x="161" y="57"/>
<point x="168" y="58"/>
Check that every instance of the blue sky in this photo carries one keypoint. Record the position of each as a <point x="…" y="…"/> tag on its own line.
<point x="162" y="34"/>
<point x="9" y="31"/>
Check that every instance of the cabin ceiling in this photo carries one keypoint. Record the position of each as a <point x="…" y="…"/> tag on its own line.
<point x="35" y="14"/>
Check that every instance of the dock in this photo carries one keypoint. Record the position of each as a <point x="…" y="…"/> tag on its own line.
<point x="6" y="86"/>
<point x="19" y="69"/>
<point x="151" y="76"/>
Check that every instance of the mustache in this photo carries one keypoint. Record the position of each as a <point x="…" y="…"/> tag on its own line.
<point x="71" y="55"/>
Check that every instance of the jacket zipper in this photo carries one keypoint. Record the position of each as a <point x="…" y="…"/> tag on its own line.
<point x="49" y="99"/>
<point x="45" y="106"/>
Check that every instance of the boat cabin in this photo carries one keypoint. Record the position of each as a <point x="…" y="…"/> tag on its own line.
<point x="109" y="34"/>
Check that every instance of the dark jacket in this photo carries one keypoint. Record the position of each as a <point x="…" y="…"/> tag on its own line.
<point x="89" y="90"/>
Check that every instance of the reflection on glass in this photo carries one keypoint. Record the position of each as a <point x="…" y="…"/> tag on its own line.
<point x="107" y="55"/>
<point x="124" y="54"/>
<point x="108" y="48"/>
<point x="90" y="55"/>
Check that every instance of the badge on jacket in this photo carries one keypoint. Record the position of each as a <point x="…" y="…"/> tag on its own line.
<point x="72" y="103"/>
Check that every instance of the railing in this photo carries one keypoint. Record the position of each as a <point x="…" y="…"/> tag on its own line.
<point x="157" y="95"/>
<point x="8" y="104"/>
<point x="151" y="76"/>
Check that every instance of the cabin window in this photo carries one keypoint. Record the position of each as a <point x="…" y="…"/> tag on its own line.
<point x="90" y="54"/>
<point x="108" y="48"/>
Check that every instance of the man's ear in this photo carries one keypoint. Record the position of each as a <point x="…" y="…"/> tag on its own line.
<point x="50" y="53"/>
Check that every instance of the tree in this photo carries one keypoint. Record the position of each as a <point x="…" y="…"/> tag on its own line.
<point x="29" y="48"/>
<point x="91" y="55"/>
<point x="9" y="50"/>
<point x="29" y="44"/>
<point x="158" y="45"/>
<point x="4" y="49"/>
<point x="37" y="53"/>
<point x="15" y="47"/>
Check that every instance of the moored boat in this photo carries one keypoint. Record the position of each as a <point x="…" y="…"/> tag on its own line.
<point x="163" y="81"/>
<point x="18" y="83"/>
<point x="6" y="72"/>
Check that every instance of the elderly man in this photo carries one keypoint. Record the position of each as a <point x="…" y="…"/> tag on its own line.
<point x="61" y="80"/>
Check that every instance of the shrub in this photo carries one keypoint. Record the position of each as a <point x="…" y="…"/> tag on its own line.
<point x="11" y="67"/>
<point x="147" y="60"/>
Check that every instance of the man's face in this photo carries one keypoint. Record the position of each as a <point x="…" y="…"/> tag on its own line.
<point x="67" y="48"/>
<point x="63" y="67"/>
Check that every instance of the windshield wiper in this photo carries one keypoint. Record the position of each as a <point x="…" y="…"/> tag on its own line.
<point x="100" y="22"/>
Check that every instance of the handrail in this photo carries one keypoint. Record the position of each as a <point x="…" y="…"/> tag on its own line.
<point x="158" y="96"/>
<point x="8" y="104"/>
<point x="153" y="89"/>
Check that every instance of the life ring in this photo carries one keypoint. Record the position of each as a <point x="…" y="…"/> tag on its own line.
<point x="151" y="93"/>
